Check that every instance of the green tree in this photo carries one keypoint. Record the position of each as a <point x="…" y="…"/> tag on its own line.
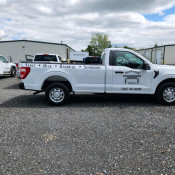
<point x="127" y="47"/>
<point x="89" y="49"/>
<point x="98" y="43"/>
<point x="155" y="45"/>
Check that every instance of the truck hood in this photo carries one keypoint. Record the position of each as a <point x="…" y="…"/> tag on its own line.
<point x="164" y="68"/>
<point x="157" y="66"/>
<point x="12" y="64"/>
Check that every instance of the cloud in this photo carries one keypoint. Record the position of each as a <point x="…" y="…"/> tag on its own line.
<point x="74" y="21"/>
<point x="43" y="9"/>
<point x="2" y="33"/>
<point x="104" y="6"/>
<point x="3" y="2"/>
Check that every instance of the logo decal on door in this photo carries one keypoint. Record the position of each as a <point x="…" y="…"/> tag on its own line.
<point x="132" y="71"/>
<point x="131" y="79"/>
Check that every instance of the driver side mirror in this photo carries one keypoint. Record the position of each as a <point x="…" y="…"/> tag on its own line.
<point x="146" y="66"/>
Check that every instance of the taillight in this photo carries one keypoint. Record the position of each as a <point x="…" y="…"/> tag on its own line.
<point x="17" y="68"/>
<point x="24" y="71"/>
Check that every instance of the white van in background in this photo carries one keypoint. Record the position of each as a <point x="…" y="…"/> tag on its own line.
<point x="76" y="56"/>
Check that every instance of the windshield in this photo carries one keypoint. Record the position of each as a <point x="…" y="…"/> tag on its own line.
<point x="3" y="59"/>
<point x="45" y="58"/>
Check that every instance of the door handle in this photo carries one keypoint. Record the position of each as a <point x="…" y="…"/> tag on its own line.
<point x="118" y="72"/>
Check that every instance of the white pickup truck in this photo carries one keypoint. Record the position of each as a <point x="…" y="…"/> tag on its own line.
<point x="121" y="71"/>
<point x="7" y="68"/>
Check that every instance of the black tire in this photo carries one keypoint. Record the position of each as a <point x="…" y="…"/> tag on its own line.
<point x="57" y="94"/>
<point x="13" y="72"/>
<point x="162" y="95"/>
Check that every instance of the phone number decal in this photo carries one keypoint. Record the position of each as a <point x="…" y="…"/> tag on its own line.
<point x="131" y="89"/>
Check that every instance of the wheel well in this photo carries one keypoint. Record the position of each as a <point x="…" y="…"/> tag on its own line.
<point x="13" y="67"/>
<point x="55" y="79"/>
<point x="172" y="80"/>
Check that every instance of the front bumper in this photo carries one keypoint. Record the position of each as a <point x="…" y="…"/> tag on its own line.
<point x="21" y="85"/>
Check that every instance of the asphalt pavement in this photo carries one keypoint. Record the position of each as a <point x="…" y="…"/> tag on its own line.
<point x="91" y="135"/>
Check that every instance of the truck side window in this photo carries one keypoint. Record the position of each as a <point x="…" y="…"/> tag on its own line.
<point x="3" y="59"/>
<point x="123" y="58"/>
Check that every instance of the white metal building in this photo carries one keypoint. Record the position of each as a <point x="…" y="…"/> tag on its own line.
<point x="17" y="49"/>
<point x="160" y="55"/>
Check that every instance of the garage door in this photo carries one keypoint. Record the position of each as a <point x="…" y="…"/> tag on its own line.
<point x="158" y="56"/>
<point x="147" y="55"/>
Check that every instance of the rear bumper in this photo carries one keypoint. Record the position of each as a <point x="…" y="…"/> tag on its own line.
<point x="21" y="85"/>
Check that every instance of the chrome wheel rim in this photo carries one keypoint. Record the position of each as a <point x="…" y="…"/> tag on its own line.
<point x="169" y="94"/>
<point x="56" y="95"/>
<point x="14" y="71"/>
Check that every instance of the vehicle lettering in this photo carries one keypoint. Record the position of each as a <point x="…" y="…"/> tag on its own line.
<point x="30" y="65"/>
<point x="124" y="89"/>
<point x="135" y="89"/>
<point x="131" y="79"/>
<point x="92" y="67"/>
<point x="131" y="89"/>
<point x="132" y="83"/>
<point x="132" y="71"/>
<point x="47" y="66"/>
<point x="67" y="66"/>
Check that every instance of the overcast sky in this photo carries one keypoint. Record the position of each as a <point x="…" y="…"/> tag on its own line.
<point x="135" y="23"/>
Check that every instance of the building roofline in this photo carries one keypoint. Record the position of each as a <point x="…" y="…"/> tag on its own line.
<point x="156" y="47"/>
<point x="43" y="42"/>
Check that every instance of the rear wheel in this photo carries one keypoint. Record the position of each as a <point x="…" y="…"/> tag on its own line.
<point x="166" y="93"/>
<point x="57" y="94"/>
<point x="13" y="72"/>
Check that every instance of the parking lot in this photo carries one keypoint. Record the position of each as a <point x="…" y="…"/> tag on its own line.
<point x="91" y="135"/>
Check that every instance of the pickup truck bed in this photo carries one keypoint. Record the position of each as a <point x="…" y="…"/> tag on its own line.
<point x="87" y="78"/>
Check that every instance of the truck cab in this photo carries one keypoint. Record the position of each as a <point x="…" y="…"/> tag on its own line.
<point x="127" y="72"/>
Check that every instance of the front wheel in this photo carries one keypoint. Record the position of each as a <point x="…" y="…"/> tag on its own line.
<point x="13" y="72"/>
<point x="166" y="93"/>
<point x="57" y="94"/>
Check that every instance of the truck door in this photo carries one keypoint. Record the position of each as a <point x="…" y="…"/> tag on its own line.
<point x="128" y="74"/>
<point x="6" y="66"/>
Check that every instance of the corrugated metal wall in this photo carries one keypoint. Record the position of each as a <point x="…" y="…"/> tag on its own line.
<point x="166" y="54"/>
<point x="19" y="49"/>
<point x="170" y="55"/>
